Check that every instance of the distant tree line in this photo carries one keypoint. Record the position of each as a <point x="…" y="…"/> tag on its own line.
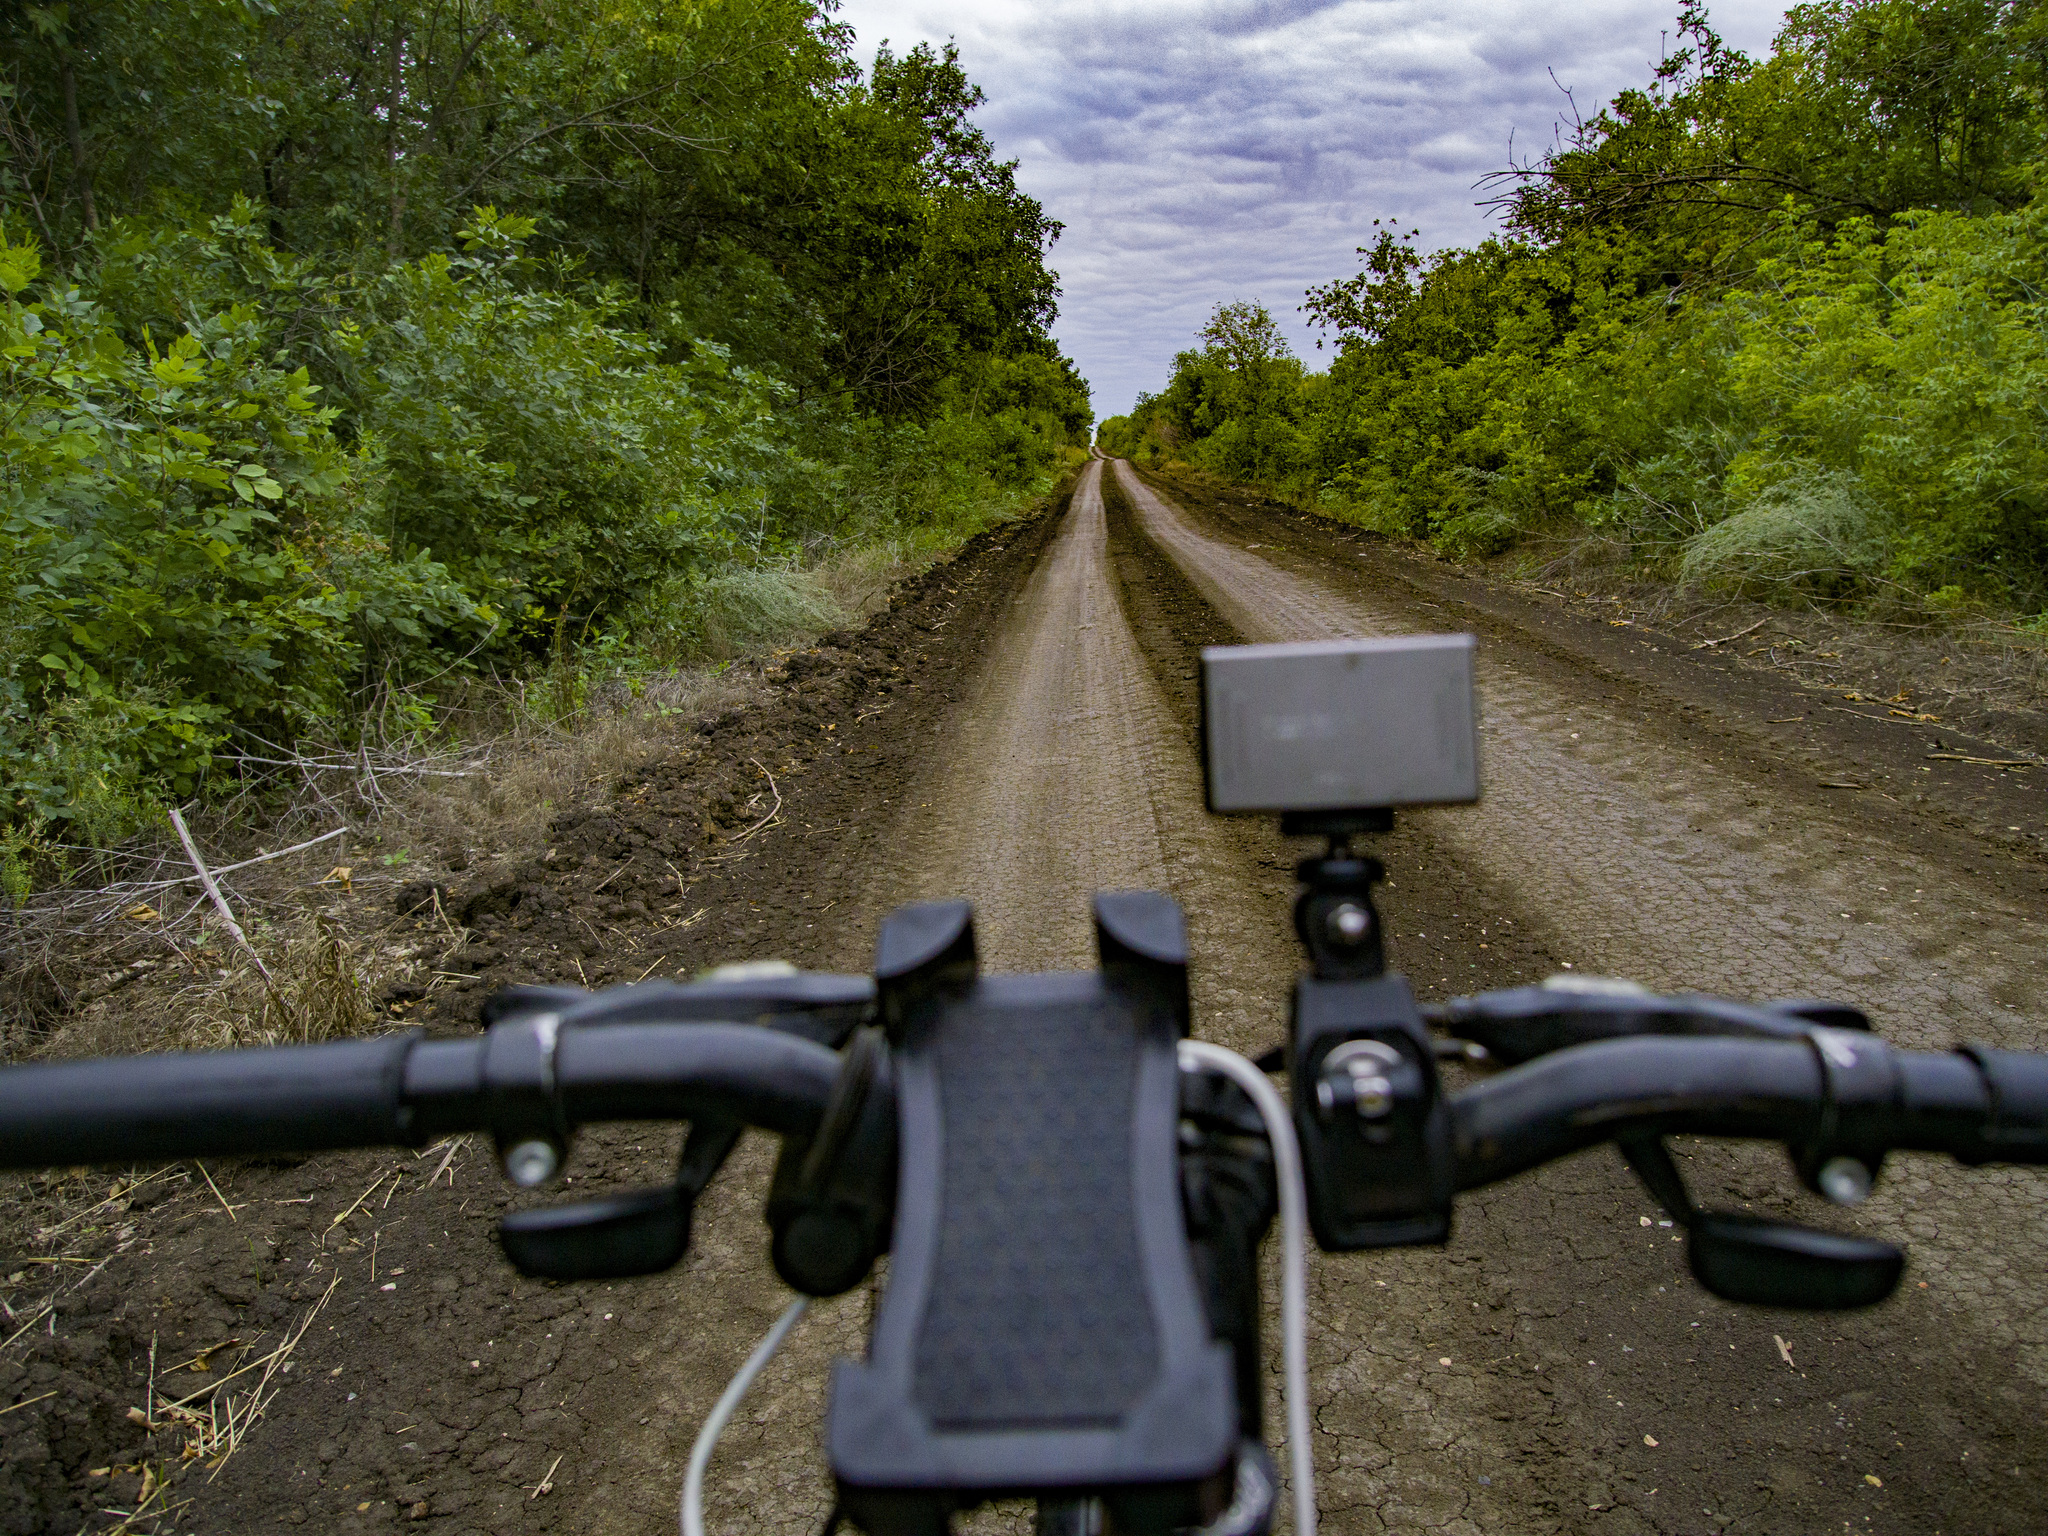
<point x="1780" y="325"/>
<point x="346" y="344"/>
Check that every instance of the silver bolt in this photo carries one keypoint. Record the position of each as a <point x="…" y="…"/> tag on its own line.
<point x="1844" y="1180"/>
<point x="531" y="1164"/>
<point x="1349" y="923"/>
<point x="1364" y="1067"/>
<point x="1374" y="1095"/>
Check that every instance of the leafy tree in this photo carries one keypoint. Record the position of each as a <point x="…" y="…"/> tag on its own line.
<point x="1865" y="108"/>
<point x="1236" y="397"/>
<point x="1768" y="323"/>
<point x="291" y="413"/>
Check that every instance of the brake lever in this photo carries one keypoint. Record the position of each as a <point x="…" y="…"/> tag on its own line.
<point x="646" y="1231"/>
<point x="1761" y="1262"/>
<point x="1736" y="1257"/>
<point x="1522" y="1023"/>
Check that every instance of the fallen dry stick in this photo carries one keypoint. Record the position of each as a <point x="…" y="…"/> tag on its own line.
<point x="272" y="1360"/>
<point x="220" y="902"/>
<point x="773" y="810"/>
<point x="547" y="1482"/>
<point x="24" y="1328"/>
<point x="1985" y="762"/>
<point x="359" y="1199"/>
<point x="228" y="869"/>
<point x="121" y="1194"/>
<point x="1750" y="630"/>
<point x="454" y="1146"/>
<point x="223" y="1199"/>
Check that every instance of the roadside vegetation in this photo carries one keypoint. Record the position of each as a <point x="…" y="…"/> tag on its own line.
<point x="1769" y="328"/>
<point x="376" y="371"/>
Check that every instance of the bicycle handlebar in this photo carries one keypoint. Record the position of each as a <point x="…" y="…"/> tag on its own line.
<point x="305" y="1098"/>
<point x="1978" y="1105"/>
<point x="406" y="1090"/>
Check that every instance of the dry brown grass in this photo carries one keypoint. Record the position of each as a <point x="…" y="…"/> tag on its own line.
<point x="131" y="956"/>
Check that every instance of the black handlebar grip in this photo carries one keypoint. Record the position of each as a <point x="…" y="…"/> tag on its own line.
<point x="301" y="1098"/>
<point x="2016" y="1131"/>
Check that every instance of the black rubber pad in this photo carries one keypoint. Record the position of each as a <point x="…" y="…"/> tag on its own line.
<point x="1038" y="1312"/>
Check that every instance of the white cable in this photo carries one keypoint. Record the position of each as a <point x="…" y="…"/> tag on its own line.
<point x="692" y="1511"/>
<point x="1202" y="1056"/>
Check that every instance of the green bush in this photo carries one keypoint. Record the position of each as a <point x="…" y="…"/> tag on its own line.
<point x="479" y="464"/>
<point x="285" y="433"/>
<point x="551" y="459"/>
<point x="184" y="546"/>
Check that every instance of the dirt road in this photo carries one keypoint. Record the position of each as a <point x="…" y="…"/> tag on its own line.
<point x="1020" y="729"/>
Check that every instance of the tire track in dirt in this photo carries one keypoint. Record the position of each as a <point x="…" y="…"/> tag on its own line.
<point x="1060" y="771"/>
<point x="1644" y="861"/>
<point x="1065" y="773"/>
<point x="1633" y="859"/>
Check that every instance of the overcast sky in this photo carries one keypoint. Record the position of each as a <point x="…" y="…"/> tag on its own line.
<point x="1204" y="150"/>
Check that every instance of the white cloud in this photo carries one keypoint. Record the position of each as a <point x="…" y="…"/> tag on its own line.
<point x="1203" y="152"/>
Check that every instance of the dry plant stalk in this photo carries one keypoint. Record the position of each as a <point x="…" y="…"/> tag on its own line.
<point x="220" y="902"/>
<point x="294" y="967"/>
<point x="157" y="1477"/>
<point x="216" y="1422"/>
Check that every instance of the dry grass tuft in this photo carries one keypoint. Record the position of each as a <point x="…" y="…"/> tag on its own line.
<point x="130" y="954"/>
<point x="1979" y="672"/>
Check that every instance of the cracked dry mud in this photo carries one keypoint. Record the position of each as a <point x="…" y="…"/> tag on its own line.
<point x="1020" y="728"/>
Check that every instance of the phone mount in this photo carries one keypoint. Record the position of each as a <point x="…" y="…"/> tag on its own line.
<point x="1331" y="735"/>
<point x="1043" y="1333"/>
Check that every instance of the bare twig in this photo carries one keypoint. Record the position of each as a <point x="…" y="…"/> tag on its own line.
<point x="24" y="1328"/>
<point x="454" y="1145"/>
<point x="1985" y="762"/>
<point x="220" y="903"/>
<point x="272" y="1360"/>
<point x="92" y="1210"/>
<point x="353" y="765"/>
<point x="359" y="1199"/>
<point x="1747" y="630"/>
<point x="547" y="1481"/>
<point x="223" y="1199"/>
<point x="136" y="887"/>
<point x="1892" y="719"/>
